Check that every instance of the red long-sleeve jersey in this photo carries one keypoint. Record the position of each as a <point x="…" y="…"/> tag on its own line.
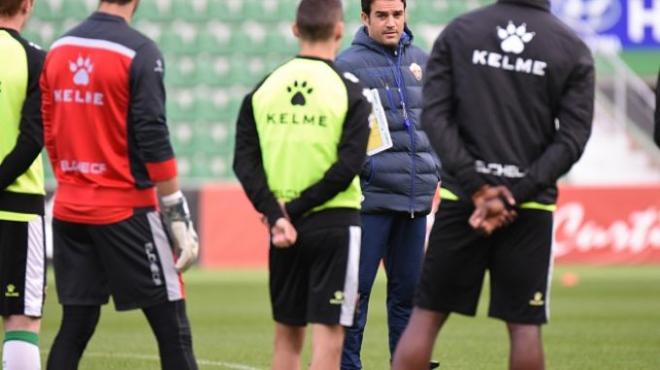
<point x="104" y="121"/>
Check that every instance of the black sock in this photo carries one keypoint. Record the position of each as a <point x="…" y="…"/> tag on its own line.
<point x="78" y="324"/>
<point x="170" y="325"/>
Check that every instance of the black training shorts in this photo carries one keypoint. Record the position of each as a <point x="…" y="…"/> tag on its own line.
<point x="316" y="280"/>
<point x="517" y="257"/>
<point x="22" y="267"/>
<point x="133" y="260"/>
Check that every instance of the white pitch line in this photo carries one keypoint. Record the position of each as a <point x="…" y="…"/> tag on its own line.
<point x="227" y="365"/>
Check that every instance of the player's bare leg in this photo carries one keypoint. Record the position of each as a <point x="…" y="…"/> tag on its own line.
<point x="416" y="345"/>
<point x="526" y="347"/>
<point x="327" y="342"/>
<point x="289" y="342"/>
<point x="21" y="322"/>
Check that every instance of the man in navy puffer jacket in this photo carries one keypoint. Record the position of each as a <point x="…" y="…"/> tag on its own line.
<point x="398" y="184"/>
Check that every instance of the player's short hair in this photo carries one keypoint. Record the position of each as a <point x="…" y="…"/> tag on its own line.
<point x="119" y="2"/>
<point x="366" y="6"/>
<point x="316" y="19"/>
<point x="9" y="8"/>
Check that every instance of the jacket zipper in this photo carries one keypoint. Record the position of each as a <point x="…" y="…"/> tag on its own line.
<point x="411" y="133"/>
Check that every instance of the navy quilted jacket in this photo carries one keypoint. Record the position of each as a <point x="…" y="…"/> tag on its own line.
<point x="403" y="178"/>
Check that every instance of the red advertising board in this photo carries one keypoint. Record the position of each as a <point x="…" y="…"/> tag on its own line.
<point x="608" y="225"/>
<point x="231" y="232"/>
<point x="593" y="225"/>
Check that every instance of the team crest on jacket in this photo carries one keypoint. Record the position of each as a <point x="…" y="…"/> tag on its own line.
<point x="514" y="38"/>
<point x="416" y="70"/>
<point x="82" y="69"/>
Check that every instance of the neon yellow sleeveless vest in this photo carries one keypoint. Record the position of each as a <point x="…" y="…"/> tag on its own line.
<point x="13" y="87"/>
<point x="299" y="111"/>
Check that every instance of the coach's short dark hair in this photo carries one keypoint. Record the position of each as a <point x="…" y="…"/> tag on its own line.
<point x="10" y="8"/>
<point x="316" y="19"/>
<point x="120" y="2"/>
<point x="366" y="6"/>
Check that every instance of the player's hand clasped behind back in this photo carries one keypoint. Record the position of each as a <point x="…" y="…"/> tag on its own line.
<point x="283" y="234"/>
<point x="494" y="208"/>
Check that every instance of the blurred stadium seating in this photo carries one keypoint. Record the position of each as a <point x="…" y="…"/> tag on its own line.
<point x="216" y="50"/>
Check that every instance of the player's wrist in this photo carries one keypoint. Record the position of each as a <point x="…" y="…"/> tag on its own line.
<point x="173" y="198"/>
<point x="175" y="207"/>
<point x="177" y="214"/>
<point x="478" y="196"/>
<point x="506" y="203"/>
<point x="293" y="209"/>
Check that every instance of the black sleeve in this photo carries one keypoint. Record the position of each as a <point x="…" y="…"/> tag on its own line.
<point x="351" y="155"/>
<point x="656" y="132"/>
<point x="147" y="106"/>
<point x="437" y="117"/>
<point x="575" y="116"/>
<point x="248" y="164"/>
<point x="30" y="139"/>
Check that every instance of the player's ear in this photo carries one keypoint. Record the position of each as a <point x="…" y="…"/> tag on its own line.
<point x="339" y="31"/>
<point x="365" y="18"/>
<point x="295" y="30"/>
<point x="137" y="5"/>
<point x="26" y="7"/>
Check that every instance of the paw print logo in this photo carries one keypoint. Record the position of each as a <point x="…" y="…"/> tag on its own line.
<point x="514" y="37"/>
<point x="82" y="68"/>
<point x="299" y="91"/>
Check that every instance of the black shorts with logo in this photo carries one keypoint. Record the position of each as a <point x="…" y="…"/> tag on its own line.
<point x="131" y="260"/>
<point x="316" y="280"/>
<point x="22" y="267"/>
<point x="517" y="257"/>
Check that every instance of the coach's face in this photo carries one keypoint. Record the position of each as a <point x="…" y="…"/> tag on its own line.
<point x="386" y="21"/>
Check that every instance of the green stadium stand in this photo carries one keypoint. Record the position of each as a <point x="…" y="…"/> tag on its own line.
<point x="180" y="38"/>
<point x="352" y="9"/>
<point x="192" y="10"/>
<point x="226" y="10"/>
<point x="214" y="70"/>
<point x="217" y="50"/>
<point x="43" y="32"/>
<point x="156" y="10"/>
<point x="49" y="10"/>
<point x="77" y="9"/>
<point x="262" y="10"/>
<point x="216" y="37"/>
<point x="182" y="71"/>
<point x="182" y="105"/>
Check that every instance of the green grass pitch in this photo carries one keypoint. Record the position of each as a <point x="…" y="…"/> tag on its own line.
<point x="610" y="320"/>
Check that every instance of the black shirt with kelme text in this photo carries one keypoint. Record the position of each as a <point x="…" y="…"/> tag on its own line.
<point x="508" y="100"/>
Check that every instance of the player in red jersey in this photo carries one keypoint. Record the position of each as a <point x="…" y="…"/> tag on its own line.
<point x="108" y="142"/>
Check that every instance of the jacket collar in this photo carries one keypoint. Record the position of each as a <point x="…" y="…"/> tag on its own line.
<point x="314" y="58"/>
<point x="362" y="38"/>
<point x="102" y="16"/>
<point x="11" y="31"/>
<point x="542" y="4"/>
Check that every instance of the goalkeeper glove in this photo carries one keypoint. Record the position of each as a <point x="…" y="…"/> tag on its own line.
<point x="177" y="214"/>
